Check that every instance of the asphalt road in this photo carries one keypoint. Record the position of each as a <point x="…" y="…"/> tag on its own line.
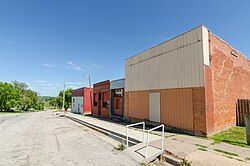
<point x="45" y="139"/>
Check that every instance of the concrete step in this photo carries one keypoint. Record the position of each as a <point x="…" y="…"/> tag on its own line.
<point x="170" y="159"/>
<point x="138" y="153"/>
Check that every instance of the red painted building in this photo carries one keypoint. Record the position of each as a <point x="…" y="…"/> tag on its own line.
<point x="101" y="99"/>
<point x="81" y="101"/>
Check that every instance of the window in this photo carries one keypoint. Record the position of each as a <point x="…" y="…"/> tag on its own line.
<point x="95" y="100"/>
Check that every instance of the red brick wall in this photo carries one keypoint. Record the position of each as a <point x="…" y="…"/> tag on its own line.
<point x="78" y="92"/>
<point x="102" y="88"/>
<point x="230" y="81"/>
<point x="209" y="106"/>
<point x="199" y="111"/>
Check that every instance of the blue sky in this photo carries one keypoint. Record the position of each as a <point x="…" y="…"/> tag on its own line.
<point x="45" y="42"/>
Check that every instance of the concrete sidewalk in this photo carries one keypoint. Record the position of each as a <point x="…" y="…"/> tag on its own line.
<point x="134" y="133"/>
<point x="199" y="151"/>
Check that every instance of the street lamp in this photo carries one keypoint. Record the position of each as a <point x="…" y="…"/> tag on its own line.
<point x="88" y="79"/>
<point x="63" y="97"/>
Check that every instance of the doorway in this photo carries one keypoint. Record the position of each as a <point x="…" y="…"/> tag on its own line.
<point x="154" y="107"/>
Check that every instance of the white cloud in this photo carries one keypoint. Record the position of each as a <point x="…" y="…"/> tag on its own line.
<point x="93" y="65"/>
<point x="74" y="83"/>
<point x="73" y="66"/>
<point x="40" y="81"/>
<point x="48" y="65"/>
<point x="73" y="87"/>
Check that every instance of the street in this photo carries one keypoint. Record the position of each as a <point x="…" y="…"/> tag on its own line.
<point x="42" y="138"/>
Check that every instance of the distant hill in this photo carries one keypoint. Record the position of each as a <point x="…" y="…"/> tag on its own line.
<point x="47" y="98"/>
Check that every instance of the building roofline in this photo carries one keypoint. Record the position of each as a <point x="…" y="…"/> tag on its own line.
<point x="118" y="79"/>
<point x="227" y="43"/>
<point x="81" y="88"/>
<point x="167" y="41"/>
<point x="106" y="81"/>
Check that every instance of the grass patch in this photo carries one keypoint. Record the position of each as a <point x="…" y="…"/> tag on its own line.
<point x="184" y="162"/>
<point x="202" y="146"/>
<point x="225" y="152"/>
<point x="202" y="149"/>
<point x="247" y="158"/>
<point x="228" y="156"/>
<point x="235" y="136"/>
<point x="120" y="147"/>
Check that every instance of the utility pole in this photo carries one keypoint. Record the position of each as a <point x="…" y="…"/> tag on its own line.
<point x="63" y="97"/>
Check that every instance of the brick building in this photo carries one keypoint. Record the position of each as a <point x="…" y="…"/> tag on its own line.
<point x="101" y="99"/>
<point x="117" y="97"/>
<point x="81" y="101"/>
<point x="191" y="82"/>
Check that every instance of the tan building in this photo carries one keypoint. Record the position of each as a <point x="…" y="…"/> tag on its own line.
<point x="187" y="83"/>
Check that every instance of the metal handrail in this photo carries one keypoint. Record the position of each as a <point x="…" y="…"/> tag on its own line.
<point x="162" y="138"/>
<point x="135" y="124"/>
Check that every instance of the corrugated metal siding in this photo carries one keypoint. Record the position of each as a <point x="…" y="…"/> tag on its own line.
<point x="177" y="108"/>
<point x="177" y="63"/>
<point x="138" y="105"/>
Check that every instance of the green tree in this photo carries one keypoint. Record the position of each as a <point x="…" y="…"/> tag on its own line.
<point x="28" y="100"/>
<point x="19" y="85"/>
<point x="9" y="97"/>
<point x="67" y="103"/>
<point x="40" y="103"/>
<point x="15" y="95"/>
<point x="53" y="102"/>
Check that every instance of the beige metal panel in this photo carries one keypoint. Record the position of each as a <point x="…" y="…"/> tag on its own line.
<point x="151" y="73"/>
<point x="136" y="59"/>
<point x="144" y="56"/>
<point x="128" y="62"/>
<point x="170" y="45"/>
<point x="205" y="46"/>
<point x="182" y="58"/>
<point x="143" y="75"/>
<point x="199" y="33"/>
<point x="180" y="66"/>
<point x="193" y="34"/>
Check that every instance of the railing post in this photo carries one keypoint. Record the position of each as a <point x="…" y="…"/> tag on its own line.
<point x="146" y="153"/>
<point x="135" y="124"/>
<point x="143" y="130"/>
<point x="127" y="136"/>
<point x="162" y="139"/>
